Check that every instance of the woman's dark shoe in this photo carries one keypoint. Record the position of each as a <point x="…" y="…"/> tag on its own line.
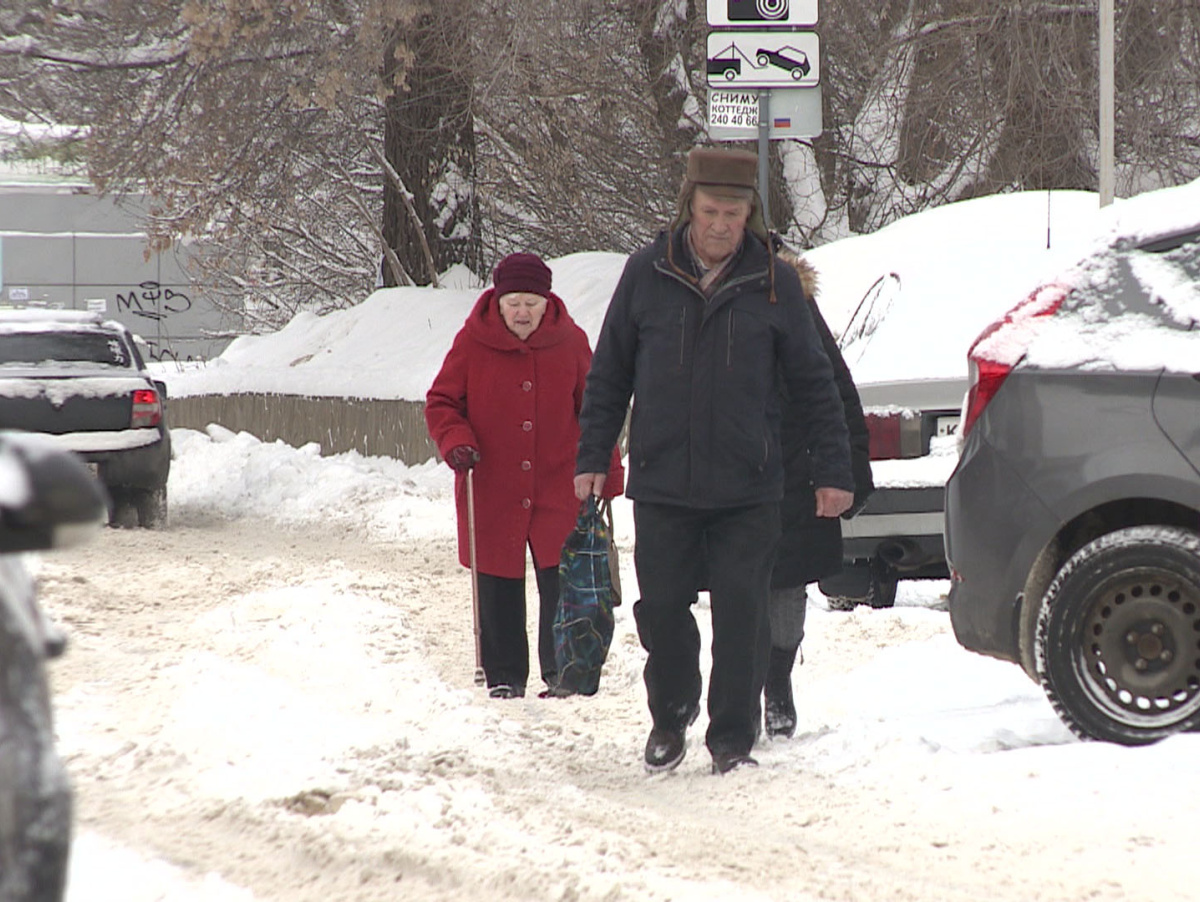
<point x="724" y="762"/>
<point x="780" y="707"/>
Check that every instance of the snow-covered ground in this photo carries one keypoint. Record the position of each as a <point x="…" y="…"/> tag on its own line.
<point x="273" y="699"/>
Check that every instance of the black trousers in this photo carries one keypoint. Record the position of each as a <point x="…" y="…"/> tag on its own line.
<point x="675" y="548"/>
<point x="503" y="642"/>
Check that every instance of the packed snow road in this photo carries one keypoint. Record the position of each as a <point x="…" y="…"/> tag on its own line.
<point x="288" y="714"/>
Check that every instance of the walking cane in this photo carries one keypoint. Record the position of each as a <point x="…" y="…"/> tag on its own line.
<point x="479" y="677"/>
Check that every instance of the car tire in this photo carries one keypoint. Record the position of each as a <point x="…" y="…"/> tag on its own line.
<point x="152" y="508"/>
<point x="1116" y="636"/>
<point x="123" y="512"/>
<point x="882" y="594"/>
<point x="884" y="584"/>
<point x="843" y="602"/>
<point x="880" y="584"/>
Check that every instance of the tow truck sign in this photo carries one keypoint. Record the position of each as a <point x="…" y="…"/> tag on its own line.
<point x="763" y="59"/>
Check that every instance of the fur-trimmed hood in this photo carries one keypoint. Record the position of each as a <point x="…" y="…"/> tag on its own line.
<point x="809" y="279"/>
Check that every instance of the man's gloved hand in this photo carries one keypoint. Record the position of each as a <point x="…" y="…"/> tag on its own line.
<point x="462" y="458"/>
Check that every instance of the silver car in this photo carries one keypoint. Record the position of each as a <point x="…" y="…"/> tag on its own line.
<point x="1073" y="515"/>
<point x="906" y="302"/>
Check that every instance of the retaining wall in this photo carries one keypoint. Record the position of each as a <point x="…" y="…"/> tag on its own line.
<point x="371" y="427"/>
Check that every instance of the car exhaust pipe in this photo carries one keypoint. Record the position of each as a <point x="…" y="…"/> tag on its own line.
<point x="903" y="554"/>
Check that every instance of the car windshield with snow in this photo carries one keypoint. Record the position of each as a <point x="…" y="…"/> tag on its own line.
<point x="79" y="380"/>
<point x="906" y="302"/>
<point x="1073" y="516"/>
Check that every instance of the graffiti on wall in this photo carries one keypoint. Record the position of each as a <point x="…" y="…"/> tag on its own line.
<point x="153" y="301"/>
<point x="157" y="303"/>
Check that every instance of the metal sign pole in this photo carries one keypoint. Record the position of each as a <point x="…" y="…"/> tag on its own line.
<point x="764" y="131"/>
<point x="1107" y="105"/>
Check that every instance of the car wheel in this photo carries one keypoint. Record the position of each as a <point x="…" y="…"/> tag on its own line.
<point x="123" y="514"/>
<point x="763" y="59"/>
<point x="152" y="508"/>
<point x="797" y="73"/>
<point x="843" y="602"/>
<point x="1116" y="636"/>
<point x="881" y="594"/>
<point x="884" y="583"/>
<point x="730" y="75"/>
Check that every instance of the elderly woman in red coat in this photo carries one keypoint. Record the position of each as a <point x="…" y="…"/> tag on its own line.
<point x="506" y="404"/>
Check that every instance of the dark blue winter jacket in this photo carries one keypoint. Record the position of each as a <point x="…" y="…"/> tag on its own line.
<point x="704" y="377"/>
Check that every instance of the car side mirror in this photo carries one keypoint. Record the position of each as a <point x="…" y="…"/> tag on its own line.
<point x="48" y="496"/>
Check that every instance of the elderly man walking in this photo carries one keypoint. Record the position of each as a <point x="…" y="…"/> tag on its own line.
<point x="704" y="326"/>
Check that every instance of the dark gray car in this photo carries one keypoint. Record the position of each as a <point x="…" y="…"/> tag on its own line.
<point x="47" y="499"/>
<point x="79" y="379"/>
<point x="1073" y="516"/>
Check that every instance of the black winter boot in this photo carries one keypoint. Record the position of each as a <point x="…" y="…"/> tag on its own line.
<point x="780" y="708"/>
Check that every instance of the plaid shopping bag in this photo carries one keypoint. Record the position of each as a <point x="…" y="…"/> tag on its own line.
<point x="589" y="589"/>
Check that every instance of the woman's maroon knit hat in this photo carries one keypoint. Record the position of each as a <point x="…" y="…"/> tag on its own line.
<point x="522" y="272"/>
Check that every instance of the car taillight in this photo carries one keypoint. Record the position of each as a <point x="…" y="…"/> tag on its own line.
<point x="1006" y="338"/>
<point x="986" y="378"/>
<point x="147" y="409"/>
<point x="894" y="435"/>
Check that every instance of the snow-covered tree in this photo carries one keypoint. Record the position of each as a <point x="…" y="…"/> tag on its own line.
<point x="321" y="147"/>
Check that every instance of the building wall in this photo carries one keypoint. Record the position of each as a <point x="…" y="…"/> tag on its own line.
<point x="61" y="246"/>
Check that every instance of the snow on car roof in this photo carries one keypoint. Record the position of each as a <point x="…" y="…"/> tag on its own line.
<point x="1147" y="217"/>
<point x="40" y="319"/>
<point x="1119" y="333"/>
<point x="947" y="273"/>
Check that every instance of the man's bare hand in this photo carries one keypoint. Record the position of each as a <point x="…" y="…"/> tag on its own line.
<point x="589" y="484"/>
<point x="830" y="502"/>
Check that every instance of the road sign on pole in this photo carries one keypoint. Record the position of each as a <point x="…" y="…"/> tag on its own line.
<point x="763" y="59"/>
<point x="760" y="13"/>
<point x="764" y="84"/>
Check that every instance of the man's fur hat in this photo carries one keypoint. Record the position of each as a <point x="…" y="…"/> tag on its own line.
<point x="724" y="173"/>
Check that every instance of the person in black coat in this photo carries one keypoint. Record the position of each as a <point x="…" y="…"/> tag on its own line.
<point x="810" y="547"/>
<point x="704" y="328"/>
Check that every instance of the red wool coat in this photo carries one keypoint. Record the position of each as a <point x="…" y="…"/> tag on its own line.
<point x="518" y="403"/>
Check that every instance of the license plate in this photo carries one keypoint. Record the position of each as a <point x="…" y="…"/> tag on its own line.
<point x="947" y="425"/>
